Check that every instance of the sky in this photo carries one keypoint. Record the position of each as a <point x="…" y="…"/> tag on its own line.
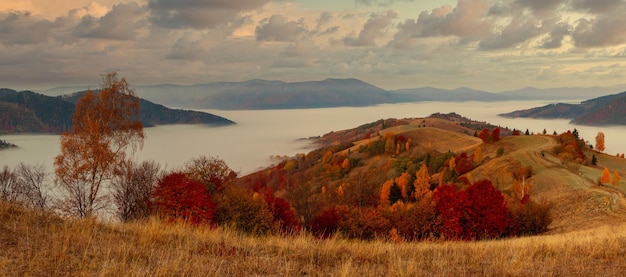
<point x="482" y="44"/>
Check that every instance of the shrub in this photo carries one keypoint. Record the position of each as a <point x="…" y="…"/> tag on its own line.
<point x="325" y="223"/>
<point x="176" y="197"/>
<point x="243" y="211"/>
<point x="531" y="218"/>
<point x="284" y="216"/>
<point x="364" y="223"/>
<point x="479" y="212"/>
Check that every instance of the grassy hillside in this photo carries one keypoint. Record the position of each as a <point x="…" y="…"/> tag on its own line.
<point x="36" y="244"/>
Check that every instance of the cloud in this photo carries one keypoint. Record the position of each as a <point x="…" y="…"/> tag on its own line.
<point x="540" y="7"/>
<point x="517" y="31"/>
<point x="197" y="14"/>
<point x="21" y="28"/>
<point x="373" y="29"/>
<point x="121" y="23"/>
<point x="383" y="3"/>
<point x="605" y="29"/>
<point x="597" y="6"/>
<point x="558" y="33"/>
<point x="466" y="21"/>
<point x="279" y="28"/>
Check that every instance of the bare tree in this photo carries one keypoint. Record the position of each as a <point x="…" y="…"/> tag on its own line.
<point x="10" y="187"/>
<point x="132" y="187"/>
<point x="32" y="180"/>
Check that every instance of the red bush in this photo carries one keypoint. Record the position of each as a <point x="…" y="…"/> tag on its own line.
<point x="479" y="212"/>
<point x="487" y="211"/>
<point x="325" y="223"/>
<point x="463" y="163"/>
<point x="284" y="216"/>
<point x="176" y="197"/>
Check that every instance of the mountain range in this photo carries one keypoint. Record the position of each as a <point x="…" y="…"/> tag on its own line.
<point x="31" y="112"/>
<point x="605" y="110"/>
<point x="266" y="94"/>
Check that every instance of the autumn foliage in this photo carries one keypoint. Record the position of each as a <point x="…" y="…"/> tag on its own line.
<point x="177" y="197"/>
<point x="478" y="212"/>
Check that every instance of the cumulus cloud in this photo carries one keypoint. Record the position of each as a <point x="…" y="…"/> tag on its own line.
<point x="605" y="30"/>
<point x="20" y="28"/>
<point x="121" y="23"/>
<point x="373" y="29"/>
<point x="517" y="31"/>
<point x="198" y="14"/>
<point x="466" y="20"/>
<point x="558" y="33"/>
<point x="279" y="28"/>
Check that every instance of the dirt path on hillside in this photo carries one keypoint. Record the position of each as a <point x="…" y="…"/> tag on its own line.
<point x="578" y="202"/>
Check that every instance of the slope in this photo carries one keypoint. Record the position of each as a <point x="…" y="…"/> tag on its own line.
<point x="27" y="111"/>
<point x="605" y="110"/>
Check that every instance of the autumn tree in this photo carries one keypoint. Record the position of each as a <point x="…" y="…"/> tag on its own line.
<point x="106" y="125"/>
<point x="616" y="179"/>
<point x="212" y="172"/>
<point x="177" y="197"/>
<point x="606" y="176"/>
<point x="600" y="142"/>
<point x="478" y="156"/>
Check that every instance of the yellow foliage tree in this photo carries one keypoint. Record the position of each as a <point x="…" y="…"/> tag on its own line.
<point x="422" y="182"/>
<point x="478" y="156"/>
<point x="606" y="176"/>
<point x="616" y="179"/>
<point x="600" y="142"/>
<point x="105" y="126"/>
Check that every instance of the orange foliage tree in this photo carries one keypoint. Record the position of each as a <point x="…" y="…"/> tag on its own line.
<point x="600" y="142"/>
<point x="606" y="176"/>
<point x="106" y="125"/>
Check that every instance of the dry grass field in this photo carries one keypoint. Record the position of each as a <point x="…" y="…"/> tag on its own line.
<point x="36" y="244"/>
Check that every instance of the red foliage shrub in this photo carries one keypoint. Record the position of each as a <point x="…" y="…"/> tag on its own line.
<point x="462" y="163"/>
<point x="284" y="216"/>
<point x="484" y="135"/>
<point x="450" y="206"/>
<point x="477" y="213"/>
<point x="176" y="197"/>
<point x="325" y="223"/>
<point x="495" y="134"/>
<point x="487" y="211"/>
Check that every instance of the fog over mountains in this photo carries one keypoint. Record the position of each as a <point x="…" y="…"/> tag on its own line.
<point x="265" y="94"/>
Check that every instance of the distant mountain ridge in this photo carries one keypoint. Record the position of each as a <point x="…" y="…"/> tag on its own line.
<point x="31" y="112"/>
<point x="605" y="110"/>
<point x="267" y="94"/>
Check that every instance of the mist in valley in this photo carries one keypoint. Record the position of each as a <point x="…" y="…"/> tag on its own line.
<point x="260" y="134"/>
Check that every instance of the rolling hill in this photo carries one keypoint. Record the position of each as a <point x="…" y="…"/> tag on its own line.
<point x="605" y="110"/>
<point x="31" y="112"/>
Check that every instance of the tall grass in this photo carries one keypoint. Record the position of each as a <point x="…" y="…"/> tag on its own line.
<point x="39" y="244"/>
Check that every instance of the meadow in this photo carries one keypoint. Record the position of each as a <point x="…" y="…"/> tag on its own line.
<point x="41" y="244"/>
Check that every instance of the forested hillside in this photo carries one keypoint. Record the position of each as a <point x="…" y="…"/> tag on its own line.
<point x="31" y="112"/>
<point x="605" y="110"/>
